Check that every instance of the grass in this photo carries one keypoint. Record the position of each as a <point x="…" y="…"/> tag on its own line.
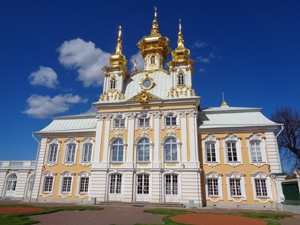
<point x="23" y="218"/>
<point x="268" y="217"/>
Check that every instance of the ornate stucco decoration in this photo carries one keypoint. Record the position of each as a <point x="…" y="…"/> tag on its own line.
<point x="143" y="97"/>
<point x="171" y="132"/>
<point x="118" y="134"/>
<point x="147" y="83"/>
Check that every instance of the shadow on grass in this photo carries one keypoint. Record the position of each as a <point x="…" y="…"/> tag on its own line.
<point x="23" y="218"/>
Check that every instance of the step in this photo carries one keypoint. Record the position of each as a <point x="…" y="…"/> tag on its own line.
<point x="143" y="204"/>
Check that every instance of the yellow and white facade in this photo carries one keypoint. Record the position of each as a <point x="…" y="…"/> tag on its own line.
<point x="151" y="142"/>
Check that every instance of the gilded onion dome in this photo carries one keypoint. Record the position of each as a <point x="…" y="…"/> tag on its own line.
<point x="118" y="60"/>
<point x="154" y="43"/>
<point x="181" y="55"/>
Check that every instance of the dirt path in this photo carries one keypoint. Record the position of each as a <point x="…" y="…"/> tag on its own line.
<point x="18" y="209"/>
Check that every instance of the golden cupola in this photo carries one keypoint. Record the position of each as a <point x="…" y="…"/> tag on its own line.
<point x="154" y="48"/>
<point x="118" y="60"/>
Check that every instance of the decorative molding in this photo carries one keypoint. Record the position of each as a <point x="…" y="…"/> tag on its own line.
<point x="171" y="132"/>
<point x="118" y="134"/>
<point x="70" y="141"/>
<point x="144" y="133"/>
<point x="85" y="141"/>
<point x="53" y="141"/>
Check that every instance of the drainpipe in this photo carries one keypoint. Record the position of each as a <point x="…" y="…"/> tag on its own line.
<point x="282" y="128"/>
<point x="36" y="162"/>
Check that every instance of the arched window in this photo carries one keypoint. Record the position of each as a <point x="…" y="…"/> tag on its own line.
<point x="152" y="59"/>
<point x="180" y="79"/>
<point x="11" y="185"/>
<point x="171" y="150"/>
<point x="113" y="83"/>
<point x="143" y="150"/>
<point x="117" y="151"/>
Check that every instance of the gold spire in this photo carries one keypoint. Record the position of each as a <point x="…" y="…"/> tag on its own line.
<point x="181" y="54"/>
<point x="223" y="103"/>
<point x="134" y="69"/>
<point x="155" y="30"/>
<point x="118" y="60"/>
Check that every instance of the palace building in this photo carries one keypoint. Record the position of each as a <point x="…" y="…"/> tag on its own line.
<point x="150" y="141"/>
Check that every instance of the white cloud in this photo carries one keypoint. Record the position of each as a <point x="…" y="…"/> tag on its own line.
<point x="199" y="44"/>
<point x="44" y="106"/>
<point x="140" y="63"/>
<point x="203" y="59"/>
<point x="86" y="58"/>
<point x="45" y="76"/>
<point x="91" y="110"/>
<point x="201" y="70"/>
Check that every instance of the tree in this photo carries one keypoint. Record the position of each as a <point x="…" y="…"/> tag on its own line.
<point x="289" y="138"/>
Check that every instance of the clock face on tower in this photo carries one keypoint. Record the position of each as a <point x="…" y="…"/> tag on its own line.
<point x="147" y="83"/>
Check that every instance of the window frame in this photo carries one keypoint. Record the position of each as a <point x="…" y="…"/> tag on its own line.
<point x="177" y="149"/>
<point x="113" y="86"/>
<point x="83" y="174"/>
<point x="262" y="176"/>
<point x="256" y="138"/>
<point x="230" y="138"/>
<point x="44" y="176"/>
<point x="152" y="57"/>
<point x="211" y="139"/>
<point x="181" y="78"/>
<point x="137" y="149"/>
<point x="146" y="116"/>
<point x="167" y="115"/>
<point x="84" y="143"/>
<point x="69" y="175"/>
<point x="113" y="140"/>
<point x="236" y="176"/>
<point x="52" y="142"/>
<point x="120" y="117"/>
<point x="70" y="142"/>
<point x="217" y="176"/>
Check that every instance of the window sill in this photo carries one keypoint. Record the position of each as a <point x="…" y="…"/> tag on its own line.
<point x="117" y="162"/>
<point x="143" y="162"/>
<point x="69" y="164"/>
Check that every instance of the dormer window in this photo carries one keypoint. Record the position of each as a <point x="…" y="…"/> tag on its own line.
<point x="113" y="83"/>
<point x="180" y="79"/>
<point x="152" y="60"/>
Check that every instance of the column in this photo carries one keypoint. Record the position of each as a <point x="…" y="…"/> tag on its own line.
<point x="106" y="142"/>
<point x="183" y="136"/>
<point x="193" y="133"/>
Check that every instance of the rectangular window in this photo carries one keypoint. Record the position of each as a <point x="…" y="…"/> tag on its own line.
<point x="87" y="153"/>
<point x="84" y="185"/>
<point x="210" y="152"/>
<point x="52" y="154"/>
<point x="256" y="152"/>
<point x="213" y="189"/>
<point x="170" y="121"/>
<point x="261" y="188"/>
<point x="71" y="154"/>
<point x="231" y="152"/>
<point x="235" y="187"/>
<point x="66" y="184"/>
<point x="48" y="183"/>
<point x="144" y="122"/>
<point x="119" y="122"/>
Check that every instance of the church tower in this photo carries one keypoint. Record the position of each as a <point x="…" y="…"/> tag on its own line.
<point x="181" y="69"/>
<point x="155" y="48"/>
<point x="114" y="76"/>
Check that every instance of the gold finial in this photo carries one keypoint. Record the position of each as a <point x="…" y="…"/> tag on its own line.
<point x="119" y="46"/>
<point x="223" y="103"/>
<point x="180" y="41"/>
<point x="155" y="29"/>
<point x="134" y="69"/>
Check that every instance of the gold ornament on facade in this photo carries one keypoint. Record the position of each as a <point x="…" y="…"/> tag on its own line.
<point x="223" y="103"/>
<point x="147" y="83"/>
<point x="143" y="97"/>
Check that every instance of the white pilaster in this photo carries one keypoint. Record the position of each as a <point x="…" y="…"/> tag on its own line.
<point x="106" y="141"/>
<point x="184" y="136"/>
<point x="194" y="158"/>
<point x="98" y="138"/>
<point x="130" y="140"/>
<point x="157" y="140"/>
<point x="273" y="154"/>
<point x="39" y="169"/>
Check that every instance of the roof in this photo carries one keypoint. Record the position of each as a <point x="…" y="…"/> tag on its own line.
<point x="233" y="117"/>
<point x="76" y="123"/>
<point x="162" y="84"/>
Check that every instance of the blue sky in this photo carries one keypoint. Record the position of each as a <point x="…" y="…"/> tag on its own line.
<point x="52" y="52"/>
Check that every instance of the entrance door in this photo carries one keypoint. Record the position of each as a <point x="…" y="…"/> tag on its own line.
<point x="171" y="188"/>
<point x="115" y="187"/>
<point x="29" y="187"/>
<point x="142" y="187"/>
<point x="11" y="185"/>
